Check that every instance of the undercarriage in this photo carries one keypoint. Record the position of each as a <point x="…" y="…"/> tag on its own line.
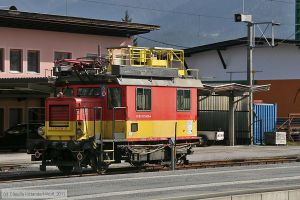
<point x="73" y="156"/>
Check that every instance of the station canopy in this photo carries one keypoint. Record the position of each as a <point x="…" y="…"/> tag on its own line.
<point x="229" y="89"/>
<point x="232" y="90"/>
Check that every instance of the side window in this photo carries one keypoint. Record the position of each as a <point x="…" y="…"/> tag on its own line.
<point x="33" y="61"/>
<point x="89" y="92"/>
<point x="114" y="97"/>
<point x="1" y="122"/>
<point x="143" y="99"/>
<point x="183" y="100"/>
<point x="16" y="60"/>
<point x="15" y="116"/>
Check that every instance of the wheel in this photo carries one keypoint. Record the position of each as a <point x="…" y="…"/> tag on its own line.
<point x="102" y="168"/>
<point x="97" y="165"/>
<point x="65" y="169"/>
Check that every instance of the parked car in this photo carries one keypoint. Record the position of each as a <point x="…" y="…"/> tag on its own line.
<point x="15" y="137"/>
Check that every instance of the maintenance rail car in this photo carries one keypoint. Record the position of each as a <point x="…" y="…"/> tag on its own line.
<point x="125" y="107"/>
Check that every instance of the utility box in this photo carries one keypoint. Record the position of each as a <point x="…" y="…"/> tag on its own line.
<point x="275" y="138"/>
<point x="264" y="120"/>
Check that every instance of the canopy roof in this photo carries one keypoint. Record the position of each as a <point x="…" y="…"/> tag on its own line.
<point x="234" y="89"/>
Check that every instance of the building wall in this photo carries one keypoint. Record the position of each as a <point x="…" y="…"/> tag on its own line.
<point x="47" y="42"/>
<point x="279" y="63"/>
<point x="285" y="93"/>
<point x="280" y="67"/>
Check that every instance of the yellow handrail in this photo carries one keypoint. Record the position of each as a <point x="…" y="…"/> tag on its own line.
<point x="147" y="57"/>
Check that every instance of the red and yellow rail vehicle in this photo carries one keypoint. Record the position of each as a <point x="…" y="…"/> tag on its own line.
<point x="124" y="108"/>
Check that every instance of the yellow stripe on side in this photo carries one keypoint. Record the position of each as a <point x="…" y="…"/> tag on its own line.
<point x="162" y="128"/>
<point x="87" y="128"/>
<point x="124" y="129"/>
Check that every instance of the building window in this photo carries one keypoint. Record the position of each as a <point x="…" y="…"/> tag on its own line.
<point x="16" y="60"/>
<point x="92" y="55"/>
<point x="114" y="98"/>
<point x="143" y="99"/>
<point x="36" y="115"/>
<point x="1" y="121"/>
<point x="62" y="55"/>
<point x="15" y="116"/>
<point x="1" y="60"/>
<point x="33" y="61"/>
<point x="183" y="100"/>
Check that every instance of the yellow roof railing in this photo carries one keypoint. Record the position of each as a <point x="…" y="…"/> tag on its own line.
<point x="147" y="57"/>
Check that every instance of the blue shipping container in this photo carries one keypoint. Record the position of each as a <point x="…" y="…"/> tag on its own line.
<point x="265" y="116"/>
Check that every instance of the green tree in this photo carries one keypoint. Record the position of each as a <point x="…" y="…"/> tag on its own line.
<point x="128" y="19"/>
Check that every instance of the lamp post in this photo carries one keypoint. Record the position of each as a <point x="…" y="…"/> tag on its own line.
<point x="248" y="19"/>
<point x="250" y="47"/>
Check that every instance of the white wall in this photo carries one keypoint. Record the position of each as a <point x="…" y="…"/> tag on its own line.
<point x="281" y="62"/>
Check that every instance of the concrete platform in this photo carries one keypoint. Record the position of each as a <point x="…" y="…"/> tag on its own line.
<point x="14" y="158"/>
<point x="242" y="152"/>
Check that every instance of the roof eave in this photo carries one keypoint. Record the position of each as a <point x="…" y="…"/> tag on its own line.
<point x="230" y="43"/>
<point x="17" y="19"/>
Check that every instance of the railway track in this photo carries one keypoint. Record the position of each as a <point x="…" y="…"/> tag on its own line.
<point x="148" y="168"/>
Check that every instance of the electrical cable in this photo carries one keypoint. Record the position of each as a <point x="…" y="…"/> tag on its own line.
<point x="158" y="10"/>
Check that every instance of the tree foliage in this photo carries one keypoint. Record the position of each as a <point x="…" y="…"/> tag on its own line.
<point x="128" y="19"/>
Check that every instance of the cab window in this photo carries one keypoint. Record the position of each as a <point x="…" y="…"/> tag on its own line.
<point x="89" y="92"/>
<point x="183" y="100"/>
<point x="114" y="97"/>
<point x="143" y="99"/>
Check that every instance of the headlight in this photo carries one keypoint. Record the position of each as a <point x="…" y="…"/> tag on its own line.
<point x="41" y="131"/>
<point x="79" y="132"/>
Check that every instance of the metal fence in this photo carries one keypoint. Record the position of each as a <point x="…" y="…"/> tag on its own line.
<point x="221" y="103"/>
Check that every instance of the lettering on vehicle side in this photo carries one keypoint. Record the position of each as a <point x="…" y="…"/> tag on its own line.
<point x="58" y="128"/>
<point x="143" y="116"/>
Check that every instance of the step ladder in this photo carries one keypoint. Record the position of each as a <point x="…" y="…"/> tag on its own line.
<point x="108" y="154"/>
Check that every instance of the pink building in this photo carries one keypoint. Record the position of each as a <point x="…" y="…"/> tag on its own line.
<point x="30" y="42"/>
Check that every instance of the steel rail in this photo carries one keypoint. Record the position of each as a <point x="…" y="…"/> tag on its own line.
<point x="149" y="168"/>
